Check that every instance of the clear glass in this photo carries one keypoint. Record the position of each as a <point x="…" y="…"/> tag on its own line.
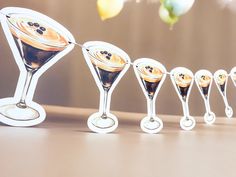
<point x="203" y="79"/>
<point x="37" y="42"/>
<point x="221" y="80"/>
<point x="182" y="80"/>
<point x="151" y="75"/>
<point x="107" y="64"/>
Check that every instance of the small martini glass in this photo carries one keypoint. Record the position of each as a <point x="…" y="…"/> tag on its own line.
<point x="203" y="79"/>
<point x="221" y="80"/>
<point x="151" y="75"/>
<point x="37" y="42"/>
<point x="108" y="64"/>
<point x="182" y="80"/>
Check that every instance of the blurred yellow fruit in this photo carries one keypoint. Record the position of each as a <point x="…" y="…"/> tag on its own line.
<point x="109" y="8"/>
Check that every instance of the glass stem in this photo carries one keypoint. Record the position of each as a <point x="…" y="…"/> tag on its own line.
<point x="104" y="104"/>
<point x="207" y="105"/>
<point x="225" y="100"/>
<point x="185" y="108"/>
<point x="151" y="108"/>
<point x="28" y="80"/>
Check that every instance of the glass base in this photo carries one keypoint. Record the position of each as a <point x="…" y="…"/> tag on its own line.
<point x="151" y="125"/>
<point x="12" y="111"/>
<point x="187" y="123"/>
<point x="13" y="115"/>
<point x="229" y="112"/>
<point x="100" y="124"/>
<point x="209" y="118"/>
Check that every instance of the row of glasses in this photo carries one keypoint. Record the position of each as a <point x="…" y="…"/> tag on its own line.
<point x="109" y="63"/>
<point x="37" y="42"/>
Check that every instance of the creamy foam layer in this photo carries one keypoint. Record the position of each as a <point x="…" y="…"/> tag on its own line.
<point x="204" y="80"/>
<point x="107" y="61"/>
<point x="36" y="33"/>
<point x="221" y="78"/>
<point x="149" y="72"/>
<point x="183" y="79"/>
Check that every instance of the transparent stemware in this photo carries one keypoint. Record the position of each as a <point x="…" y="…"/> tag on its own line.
<point x="221" y="80"/>
<point x="203" y="79"/>
<point x="151" y="75"/>
<point x="34" y="54"/>
<point x="182" y="80"/>
<point x="107" y="64"/>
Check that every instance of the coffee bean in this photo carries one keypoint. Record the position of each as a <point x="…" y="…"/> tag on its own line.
<point x="36" y="24"/>
<point x="30" y="23"/>
<point x="42" y="28"/>
<point x="39" y="31"/>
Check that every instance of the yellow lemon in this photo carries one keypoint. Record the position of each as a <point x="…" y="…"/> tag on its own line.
<point x="109" y="8"/>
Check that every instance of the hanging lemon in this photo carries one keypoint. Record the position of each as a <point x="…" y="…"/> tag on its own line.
<point x="109" y="8"/>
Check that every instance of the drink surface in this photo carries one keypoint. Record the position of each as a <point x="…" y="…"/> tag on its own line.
<point x="150" y="76"/>
<point x="36" y="33"/>
<point x="204" y="83"/>
<point x="36" y="41"/>
<point x="107" y="65"/>
<point x="183" y="81"/>
<point x="221" y="80"/>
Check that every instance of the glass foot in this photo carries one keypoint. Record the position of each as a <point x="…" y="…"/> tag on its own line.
<point x="229" y="112"/>
<point x="151" y="125"/>
<point x="14" y="112"/>
<point x="209" y="117"/>
<point x="100" y="124"/>
<point x="187" y="123"/>
<point x="13" y="115"/>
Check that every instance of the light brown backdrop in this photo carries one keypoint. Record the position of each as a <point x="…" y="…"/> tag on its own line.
<point x="204" y="38"/>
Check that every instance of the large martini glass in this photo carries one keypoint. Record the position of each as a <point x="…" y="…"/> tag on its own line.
<point x="182" y="79"/>
<point x="108" y="64"/>
<point x="151" y="75"/>
<point x="37" y="42"/>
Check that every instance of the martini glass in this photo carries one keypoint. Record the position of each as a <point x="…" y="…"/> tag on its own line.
<point x="233" y="75"/>
<point x="221" y="80"/>
<point x="203" y="79"/>
<point x="151" y="75"/>
<point x="108" y="64"/>
<point x="37" y="42"/>
<point x="182" y="79"/>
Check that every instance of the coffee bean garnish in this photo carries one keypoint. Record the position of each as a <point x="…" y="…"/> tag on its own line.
<point x="203" y="77"/>
<point x="101" y="52"/>
<point x="30" y="23"/>
<point x="107" y="57"/>
<point x="36" y="24"/>
<point x="109" y="54"/>
<point x="105" y="52"/>
<point x="181" y="75"/>
<point x="42" y="28"/>
<point x="39" y="31"/>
